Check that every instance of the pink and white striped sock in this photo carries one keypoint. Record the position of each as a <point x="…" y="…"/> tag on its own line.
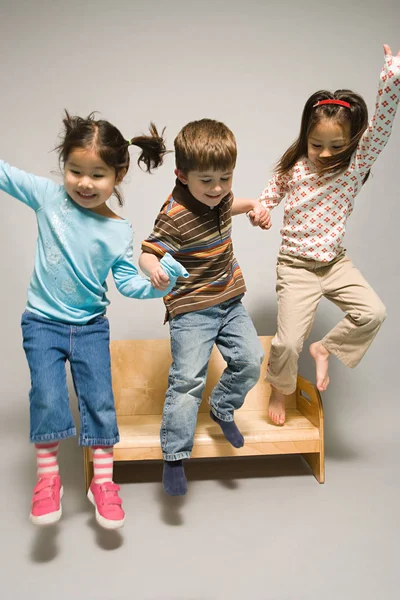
<point x="46" y="459"/>
<point x="103" y="461"/>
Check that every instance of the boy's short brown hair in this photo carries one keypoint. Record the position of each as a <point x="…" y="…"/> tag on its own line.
<point x="203" y="145"/>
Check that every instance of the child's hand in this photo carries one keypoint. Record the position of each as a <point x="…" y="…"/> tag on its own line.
<point x="388" y="51"/>
<point x="159" y="279"/>
<point x="260" y="217"/>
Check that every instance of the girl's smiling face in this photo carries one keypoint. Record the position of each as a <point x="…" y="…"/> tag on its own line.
<point x="88" y="180"/>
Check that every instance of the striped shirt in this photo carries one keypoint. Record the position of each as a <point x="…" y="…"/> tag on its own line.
<point x="199" y="237"/>
<point x="317" y="207"/>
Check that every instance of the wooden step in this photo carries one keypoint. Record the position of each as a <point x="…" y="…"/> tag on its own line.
<point x="140" y="436"/>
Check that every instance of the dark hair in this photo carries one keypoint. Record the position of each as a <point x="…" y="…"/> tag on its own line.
<point x="356" y="116"/>
<point x="110" y="144"/>
<point x="205" y="144"/>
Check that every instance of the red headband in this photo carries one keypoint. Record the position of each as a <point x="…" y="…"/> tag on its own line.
<point x="340" y="102"/>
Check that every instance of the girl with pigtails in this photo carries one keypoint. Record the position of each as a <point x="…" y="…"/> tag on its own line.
<point x="80" y="240"/>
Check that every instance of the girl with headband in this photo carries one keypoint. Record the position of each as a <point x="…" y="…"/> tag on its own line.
<point x="319" y="177"/>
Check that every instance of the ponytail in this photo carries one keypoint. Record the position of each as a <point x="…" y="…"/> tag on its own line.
<point x="152" y="146"/>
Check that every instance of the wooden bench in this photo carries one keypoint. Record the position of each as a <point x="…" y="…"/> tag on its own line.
<point x="140" y="373"/>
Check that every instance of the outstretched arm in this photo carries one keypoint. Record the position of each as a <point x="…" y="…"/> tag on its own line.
<point x="379" y="129"/>
<point x="23" y="186"/>
<point x="258" y="214"/>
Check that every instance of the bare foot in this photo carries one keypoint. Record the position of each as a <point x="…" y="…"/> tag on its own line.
<point x="276" y="407"/>
<point x="321" y="357"/>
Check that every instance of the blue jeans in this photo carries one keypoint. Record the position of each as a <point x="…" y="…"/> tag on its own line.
<point x="193" y="335"/>
<point x="48" y="344"/>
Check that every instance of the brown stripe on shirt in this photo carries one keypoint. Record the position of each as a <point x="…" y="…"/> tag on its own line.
<point x="199" y="237"/>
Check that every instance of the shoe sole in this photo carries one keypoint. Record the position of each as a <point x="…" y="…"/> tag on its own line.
<point x="49" y="518"/>
<point x="102" y="521"/>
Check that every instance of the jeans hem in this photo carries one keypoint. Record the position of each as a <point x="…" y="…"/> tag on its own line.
<point x="220" y="416"/>
<point x="85" y="441"/>
<point x="48" y="437"/>
<point x="176" y="456"/>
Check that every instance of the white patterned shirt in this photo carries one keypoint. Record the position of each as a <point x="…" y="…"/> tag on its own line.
<point x="317" y="207"/>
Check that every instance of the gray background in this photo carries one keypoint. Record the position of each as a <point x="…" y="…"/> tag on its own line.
<point x="258" y="528"/>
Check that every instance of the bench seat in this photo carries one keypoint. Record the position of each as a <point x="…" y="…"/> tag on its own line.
<point x="140" y="372"/>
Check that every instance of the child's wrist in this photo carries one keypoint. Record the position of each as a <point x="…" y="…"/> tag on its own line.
<point x="262" y="202"/>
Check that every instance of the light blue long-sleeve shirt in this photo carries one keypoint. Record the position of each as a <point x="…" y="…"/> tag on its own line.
<point x="75" y="250"/>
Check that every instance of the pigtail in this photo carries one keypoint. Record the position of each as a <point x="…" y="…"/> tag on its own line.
<point x="152" y="146"/>
<point x="68" y="122"/>
<point x="72" y="123"/>
<point x="78" y="132"/>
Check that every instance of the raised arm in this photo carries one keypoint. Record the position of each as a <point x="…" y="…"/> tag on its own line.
<point x="379" y="129"/>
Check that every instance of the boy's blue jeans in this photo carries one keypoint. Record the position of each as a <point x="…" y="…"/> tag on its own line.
<point x="48" y="344"/>
<point x="193" y="335"/>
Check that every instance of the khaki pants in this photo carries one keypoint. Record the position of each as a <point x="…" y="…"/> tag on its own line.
<point x="301" y="283"/>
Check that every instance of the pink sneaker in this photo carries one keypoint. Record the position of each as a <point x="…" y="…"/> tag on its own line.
<point x="109" y="511"/>
<point x="46" y="501"/>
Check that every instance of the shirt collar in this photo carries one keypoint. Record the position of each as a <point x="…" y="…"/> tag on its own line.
<point x="182" y="195"/>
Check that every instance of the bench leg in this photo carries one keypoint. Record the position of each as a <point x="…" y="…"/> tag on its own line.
<point x="315" y="461"/>
<point x="88" y="467"/>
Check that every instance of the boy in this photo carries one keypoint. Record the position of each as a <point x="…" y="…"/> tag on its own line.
<point x="194" y="225"/>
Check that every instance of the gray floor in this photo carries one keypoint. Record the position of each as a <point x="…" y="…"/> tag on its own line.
<point x="249" y="528"/>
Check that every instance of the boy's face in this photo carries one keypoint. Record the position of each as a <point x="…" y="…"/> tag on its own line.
<point x="208" y="187"/>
